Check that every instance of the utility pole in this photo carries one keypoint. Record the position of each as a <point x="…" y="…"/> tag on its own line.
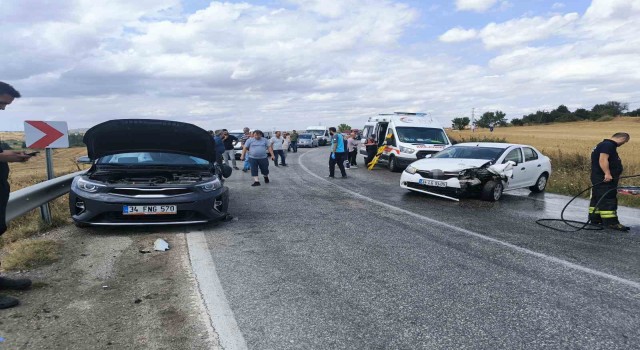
<point x="473" y="119"/>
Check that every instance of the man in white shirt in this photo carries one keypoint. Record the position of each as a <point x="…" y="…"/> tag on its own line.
<point x="276" y="143"/>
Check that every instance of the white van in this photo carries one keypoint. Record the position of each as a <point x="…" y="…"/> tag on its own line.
<point x="409" y="137"/>
<point x="321" y="133"/>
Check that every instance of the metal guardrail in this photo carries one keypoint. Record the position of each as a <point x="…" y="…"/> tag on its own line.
<point x="26" y="199"/>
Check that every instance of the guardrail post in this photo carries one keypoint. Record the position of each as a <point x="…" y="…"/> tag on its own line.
<point x="45" y="211"/>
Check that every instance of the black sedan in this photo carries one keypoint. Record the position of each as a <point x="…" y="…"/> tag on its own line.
<point x="149" y="172"/>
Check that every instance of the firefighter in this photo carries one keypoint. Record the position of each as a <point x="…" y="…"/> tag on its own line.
<point x="606" y="168"/>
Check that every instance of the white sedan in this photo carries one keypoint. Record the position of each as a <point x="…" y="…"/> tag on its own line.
<point x="480" y="168"/>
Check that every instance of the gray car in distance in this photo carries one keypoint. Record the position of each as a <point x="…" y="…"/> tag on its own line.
<point x="307" y="140"/>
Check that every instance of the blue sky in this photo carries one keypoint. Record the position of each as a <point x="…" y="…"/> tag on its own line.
<point x="287" y="63"/>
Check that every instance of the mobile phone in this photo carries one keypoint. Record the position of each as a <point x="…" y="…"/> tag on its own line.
<point x="33" y="153"/>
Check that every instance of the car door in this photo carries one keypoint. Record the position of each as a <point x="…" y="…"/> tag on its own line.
<point x="519" y="176"/>
<point x="533" y="165"/>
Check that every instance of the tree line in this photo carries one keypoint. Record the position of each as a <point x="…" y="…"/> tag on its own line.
<point x="562" y="114"/>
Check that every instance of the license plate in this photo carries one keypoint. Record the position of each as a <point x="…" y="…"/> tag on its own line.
<point x="149" y="210"/>
<point x="435" y="183"/>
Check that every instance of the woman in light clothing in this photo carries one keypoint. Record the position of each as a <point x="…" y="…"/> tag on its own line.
<point x="287" y="142"/>
<point x="257" y="148"/>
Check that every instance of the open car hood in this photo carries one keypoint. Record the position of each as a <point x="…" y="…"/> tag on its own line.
<point x="449" y="164"/>
<point x="148" y="135"/>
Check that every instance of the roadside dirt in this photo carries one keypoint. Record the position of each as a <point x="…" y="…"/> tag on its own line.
<point x="105" y="294"/>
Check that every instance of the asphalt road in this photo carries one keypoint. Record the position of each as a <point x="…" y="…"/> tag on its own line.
<point x="359" y="263"/>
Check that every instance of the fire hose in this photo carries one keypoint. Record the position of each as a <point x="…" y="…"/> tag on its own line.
<point x="587" y="225"/>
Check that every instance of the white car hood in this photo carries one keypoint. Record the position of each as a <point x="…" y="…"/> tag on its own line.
<point x="448" y="164"/>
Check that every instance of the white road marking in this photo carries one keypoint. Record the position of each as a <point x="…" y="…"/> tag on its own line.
<point x="220" y="314"/>
<point x="478" y="235"/>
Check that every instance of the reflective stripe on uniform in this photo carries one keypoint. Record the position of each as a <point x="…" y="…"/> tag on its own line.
<point x="608" y="214"/>
<point x="594" y="210"/>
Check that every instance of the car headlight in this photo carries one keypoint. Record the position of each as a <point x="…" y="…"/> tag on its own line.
<point x="88" y="186"/>
<point x="411" y="170"/>
<point x="211" y="185"/>
<point x="407" y="150"/>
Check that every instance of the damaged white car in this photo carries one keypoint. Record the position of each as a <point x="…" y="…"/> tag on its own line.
<point x="479" y="168"/>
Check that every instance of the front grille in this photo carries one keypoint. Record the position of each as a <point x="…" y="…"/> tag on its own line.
<point x="435" y="174"/>
<point x="155" y="192"/>
<point x="182" y="215"/>
<point x="423" y="154"/>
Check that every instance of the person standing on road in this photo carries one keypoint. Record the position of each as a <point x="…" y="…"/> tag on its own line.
<point x="257" y="148"/>
<point x="243" y="140"/>
<point x="287" y="141"/>
<point x="218" y="145"/>
<point x="294" y="141"/>
<point x="352" y="146"/>
<point x="606" y="169"/>
<point x="7" y="95"/>
<point x="338" y="153"/>
<point x="277" y="144"/>
<point x="372" y="149"/>
<point x="229" y="144"/>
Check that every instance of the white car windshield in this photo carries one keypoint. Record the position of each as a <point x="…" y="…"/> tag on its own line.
<point x="151" y="159"/>
<point x="316" y="132"/>
<point x="421" y="135"/>
<point x="305" y="136"/>
<point x="469" y="152"/>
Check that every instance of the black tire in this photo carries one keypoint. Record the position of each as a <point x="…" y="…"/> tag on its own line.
<point x="492" y="191"/>
<point x="541" y="184"/>
<point x="392" y="163"/>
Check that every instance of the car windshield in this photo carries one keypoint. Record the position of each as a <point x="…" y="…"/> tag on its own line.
<point x="421" y="135"/>
<point x="305" y="136"/>
<point x="238" y="135"/>
<point x="151" y="159"/>
<point x="316" y="132"/>
<point x="469" y="152"/>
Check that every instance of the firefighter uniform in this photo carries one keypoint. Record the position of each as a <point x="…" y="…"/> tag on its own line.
<point x="604" y="194"/>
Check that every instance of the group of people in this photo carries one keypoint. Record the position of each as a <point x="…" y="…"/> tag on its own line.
<point x="255" y="150"/>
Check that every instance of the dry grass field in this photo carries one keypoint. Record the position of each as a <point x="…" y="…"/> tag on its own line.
<point x="569" y="146"/>
<point x="23" y="254"/>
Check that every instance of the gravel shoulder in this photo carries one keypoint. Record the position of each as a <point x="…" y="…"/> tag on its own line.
<point x="105" y="294"/>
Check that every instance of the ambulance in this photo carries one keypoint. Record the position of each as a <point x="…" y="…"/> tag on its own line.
<point x="407" y="137"/>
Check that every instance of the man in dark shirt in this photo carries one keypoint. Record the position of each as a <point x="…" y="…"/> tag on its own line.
<point x="229" y="144"/>
<point x="294" y="141"/>
<point x="7" y="95"/>
<point x="606" y="169"/>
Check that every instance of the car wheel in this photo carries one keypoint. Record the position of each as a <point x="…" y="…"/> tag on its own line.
<point x="540" y="185"/>
<point x="492" y="191"/>
<point x="393" y="164"/>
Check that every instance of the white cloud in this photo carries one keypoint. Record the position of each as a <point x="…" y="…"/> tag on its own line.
<point x="557" y="5"/>
<point x="237" y="64"/>
<point x="458" y="34"/>
<point x="475" y="5"/>
<point x="524" y="30"/>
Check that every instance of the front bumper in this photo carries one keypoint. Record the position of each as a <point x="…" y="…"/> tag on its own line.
<point x="452" y="190"/>
<point x="106" y="209"/>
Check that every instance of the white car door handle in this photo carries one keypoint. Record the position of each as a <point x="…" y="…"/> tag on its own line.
<point x="539" y="165"/>
<point x="522" y="168"/>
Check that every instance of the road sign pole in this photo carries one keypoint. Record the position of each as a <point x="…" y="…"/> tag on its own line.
<point x="45" y="211"/>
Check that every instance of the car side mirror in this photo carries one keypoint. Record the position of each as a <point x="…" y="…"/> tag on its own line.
<point x="226" y="171"/>
<point x="84" y="160"/>
<point x="428" y="156"/>
<point x="512" y="162"/>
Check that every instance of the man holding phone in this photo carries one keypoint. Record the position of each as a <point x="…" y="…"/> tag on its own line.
<point x="7" y="95"/>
